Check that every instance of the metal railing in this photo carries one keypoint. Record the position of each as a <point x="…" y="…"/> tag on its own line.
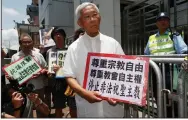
<point x="168" y="101"/>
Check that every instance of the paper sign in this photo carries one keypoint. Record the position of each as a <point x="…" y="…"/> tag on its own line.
<point x="45" y="37"/>
<point x="58" y="59"/>
<point x="52" y="59"/>
<point x="120" y="77"/>
<point x="23" y="69"/>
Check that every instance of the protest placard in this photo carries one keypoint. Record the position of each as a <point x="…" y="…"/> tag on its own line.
<point x="52" y="59"/>
<point x="23" y="69"/>
<point x="58" y="59"/>
<point x="45" y="37"/>
<point x="120" y="77"/>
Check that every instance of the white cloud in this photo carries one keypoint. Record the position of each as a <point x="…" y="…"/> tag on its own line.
<point x="10" y="11"/>
<point x="10" y="38"/>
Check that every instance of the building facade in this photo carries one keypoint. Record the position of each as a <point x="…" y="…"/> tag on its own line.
<point x="130" y="22"/>
<point x="59" y="13"/>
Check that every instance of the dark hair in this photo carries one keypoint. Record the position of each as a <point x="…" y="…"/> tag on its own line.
<point x="58" y="30"/>
<point x="78" y="32"/>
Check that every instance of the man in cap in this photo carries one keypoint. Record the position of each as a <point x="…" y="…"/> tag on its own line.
<point x="164" y="42"/>
<point x="58" y="84"/>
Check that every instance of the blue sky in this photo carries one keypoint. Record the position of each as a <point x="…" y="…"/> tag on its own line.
<point x="12" y="10"/>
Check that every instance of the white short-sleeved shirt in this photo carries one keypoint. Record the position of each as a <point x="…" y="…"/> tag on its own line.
<point x="37" y="82"/>
<point x="74" y="66"/>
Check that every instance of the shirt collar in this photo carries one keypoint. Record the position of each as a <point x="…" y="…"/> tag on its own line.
<point x="55" y="48"/>
<point x="93" y="38"/>
<point x="22" y="54"/>
<point x="166" y="32"/>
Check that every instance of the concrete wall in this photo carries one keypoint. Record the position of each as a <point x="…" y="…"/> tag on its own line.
<point x="57" y="13"/>
<point x="61" y="13"/>
<point x="110" y="17"/>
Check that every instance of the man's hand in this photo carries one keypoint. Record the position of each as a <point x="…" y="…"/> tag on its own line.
<point x="36" y="75"/>
<point x="185" y="65"/>
<point x="44" y="71"/>
<point x="8" y="77"/>
<point x="112" y="102"/>
<point x="17" y="99"/>
<point x="56" y="67"/>
<point x="92" y="96"/>
<point x="49" y="74"/>
<point x="33" y="97"/>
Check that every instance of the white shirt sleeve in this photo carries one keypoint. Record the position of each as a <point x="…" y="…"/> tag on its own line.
<point x="69" y="68"/>
<point x="43" y="62"/>
<point x="119" y="49"/>
<point x="13" y="58"/>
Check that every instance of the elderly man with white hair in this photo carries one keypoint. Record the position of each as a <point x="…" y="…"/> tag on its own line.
<point x="89" y="103"/>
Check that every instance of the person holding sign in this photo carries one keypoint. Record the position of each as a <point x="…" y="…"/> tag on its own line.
<point x="26" y="45"/>
<point x="89" y="103"/>
<point x="58" y="84"/>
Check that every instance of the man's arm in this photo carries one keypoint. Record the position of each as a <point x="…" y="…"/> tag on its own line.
<point x="17" y="114"/>
<point x="39" y="104"/>
<point x="179" y="44"/>
<point x="119" y="49"/>
<point x="17" y="101"/>
<point x="146" y="51"/>
<point x="90" y="96"/>
<point x="5" y="115"/>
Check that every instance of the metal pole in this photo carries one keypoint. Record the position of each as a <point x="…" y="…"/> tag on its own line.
<point x="159" y="88"/>
<point x="168" y="60"/>
<point x="165" y="56"/>
<point x="126" y="111"/>
<point x="164" y="87"/>
<point x="181" y="93"/>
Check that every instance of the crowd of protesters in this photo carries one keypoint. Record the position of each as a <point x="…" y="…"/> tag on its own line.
<point x="86" y="39"/>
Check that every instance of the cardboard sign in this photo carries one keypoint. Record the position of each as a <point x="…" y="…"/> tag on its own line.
<point x="52" y="59"/>
<point x="58" y="59"/>
<point x="120" y="77"/>
<point x="23" y="69"/>
<point x="45" y="37"/>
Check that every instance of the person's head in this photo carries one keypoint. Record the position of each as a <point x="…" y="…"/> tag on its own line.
<point x="26" y="42"/>
<point x="163" y="21"/>
<point x="78" y="33"/>
<point x="60" y="56"/>
<point x="88" y="18"/>
<point x="59" y="36"/>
